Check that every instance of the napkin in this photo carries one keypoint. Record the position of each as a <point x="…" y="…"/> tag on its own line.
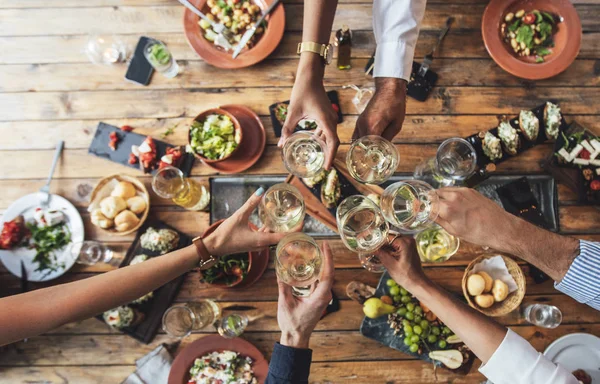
<point x="152" y="369"/>
<point x="496" y="268"/>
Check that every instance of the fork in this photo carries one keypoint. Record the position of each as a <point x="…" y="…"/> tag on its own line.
<point x="428" y="59"/>
<point x="227" y="38"/>
<point x="46" y="188"/>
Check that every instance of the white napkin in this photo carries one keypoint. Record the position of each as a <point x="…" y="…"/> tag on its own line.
<point x="152" y="369"/>
<point x="496" y="268"/>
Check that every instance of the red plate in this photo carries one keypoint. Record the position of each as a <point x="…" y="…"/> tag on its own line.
<point x="253" y="142"/>
<point x="567" y="39"/>
<point x="217" y="56"/>
<point x="185" y="359"/>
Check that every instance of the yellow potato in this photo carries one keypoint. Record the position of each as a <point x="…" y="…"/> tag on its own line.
<point x="485" y="300"/>
<point x="500" y="290"/>
<point x="489" y="282"/>
<point x="475" y="284"/>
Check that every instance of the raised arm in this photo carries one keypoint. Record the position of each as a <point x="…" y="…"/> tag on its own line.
<point x="396" y="27"/>
<point x="309" y="99"/>
<point x="39" y="311"/>
<point x="507" y="357"/>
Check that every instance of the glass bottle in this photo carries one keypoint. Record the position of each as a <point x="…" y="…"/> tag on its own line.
<point x="344" y="45"/>
<point x="169" y="183"/>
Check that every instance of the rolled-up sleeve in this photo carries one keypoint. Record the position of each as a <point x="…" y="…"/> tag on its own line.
<point x="517" y="362"/>
<point x="582" y="280"/>
<point x="289" y="365"/>
<point x="396" y="27"/>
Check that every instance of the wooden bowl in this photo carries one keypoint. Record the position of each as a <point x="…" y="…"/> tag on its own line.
<point x="236" y="125"/>
<point x="139" y="186"/>
<point x="512" y="301"/>
<point x="567" y="38"/>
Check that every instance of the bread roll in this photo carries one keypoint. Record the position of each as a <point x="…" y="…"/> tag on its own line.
<point x="124" y="190"/>
<point x="488" y="281"/>
<point x="485" y="300"/>
<point x="99" y="220"/>
<point x="112" y="205"/>
<point x="125" y="221"/>
<point x="475" y="284"/>
<point x="500" y="290"/>
<point x="136" y="204"/>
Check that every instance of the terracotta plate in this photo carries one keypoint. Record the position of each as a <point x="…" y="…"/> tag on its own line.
<point x="185" y="359"/>
<point x="217" y="56"/>
<point x="567" y="39"/>
<point x="253" y="143"/>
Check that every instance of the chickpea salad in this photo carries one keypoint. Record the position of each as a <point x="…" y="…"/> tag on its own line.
<point x="225" y="367"/>
<point x="530" y="33"/>
<point x="237" y="15"/>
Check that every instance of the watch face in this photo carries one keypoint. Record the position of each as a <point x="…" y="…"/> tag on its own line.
<point x="328" y="54"/>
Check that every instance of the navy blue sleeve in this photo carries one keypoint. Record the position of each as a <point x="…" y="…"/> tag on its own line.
<point x="289" y="365"/>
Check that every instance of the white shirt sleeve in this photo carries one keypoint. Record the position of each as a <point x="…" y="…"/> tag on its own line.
<point x="517" y="362"/>
<point x="396" y="27"/>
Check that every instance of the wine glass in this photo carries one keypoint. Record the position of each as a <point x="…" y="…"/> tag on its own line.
<point x="170" y="183"/>
<point x="411" y="206"/>
<point x="90" y="252"/>
<point x="106" y="50"/>
<point x="363" y="229"/>
<point x="453" y="163"/>
<point x="298" y="261"/>
<point x="304" y="154"/>
<point x="181" y="319"/>
<point x="233" y="325"/>
<point x="281" y="208"/>
<point x="372" y="159"/>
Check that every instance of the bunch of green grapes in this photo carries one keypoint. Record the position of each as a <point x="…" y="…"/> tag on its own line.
<point x="410" y="322"/>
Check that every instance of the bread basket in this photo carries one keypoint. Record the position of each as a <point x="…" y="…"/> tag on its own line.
<point x="512" y="301"/>
<point x="139" y="186"/>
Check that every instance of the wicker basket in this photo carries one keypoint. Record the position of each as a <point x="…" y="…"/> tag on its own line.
<point x="139" y="186"/>
<point x="513" y="300"/>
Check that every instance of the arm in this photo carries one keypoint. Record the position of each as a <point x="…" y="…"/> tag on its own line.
<point x="396" y="27"/>
<point x="309" y="99"/>
<point x="297" y="318"/>
<point x="507" y="357"/>
<point x="48" y="308"/>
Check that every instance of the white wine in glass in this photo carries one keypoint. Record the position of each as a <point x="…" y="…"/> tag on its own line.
<point x="298" y="262"/>
<point x="282" y="208"/>
<point x="303" y="154"/>
<point x="361" y="225"/>
<point x="411" y="206"/>
<point x="372" y="159"/>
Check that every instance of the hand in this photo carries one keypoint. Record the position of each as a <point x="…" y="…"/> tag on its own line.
<point x="384" y="114"/>
<point x="466" y="213"/>
<point x="402" y="261"/>
<point x="309" y="101"/>
<point x="222" y="242"/>
<point x="298" y="316"/>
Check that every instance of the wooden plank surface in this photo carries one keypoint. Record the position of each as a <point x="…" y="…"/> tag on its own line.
<point x="49" y="91"/>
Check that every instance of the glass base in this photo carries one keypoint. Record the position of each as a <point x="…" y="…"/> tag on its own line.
<point x="302" y="291"/>
<point x="371" y="263"/>
<point x="427" y="172"/>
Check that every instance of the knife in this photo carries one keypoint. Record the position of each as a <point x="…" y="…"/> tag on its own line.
<point x="250" y="32"/>
<point x="23" y="278"/>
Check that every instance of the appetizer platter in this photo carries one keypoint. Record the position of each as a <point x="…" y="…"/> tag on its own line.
<point x="141" y="318"/>
<point x="279" y="111"/>
<point x="395" y="318"/>
<point x="40" y="236"/>
<point x="131" y="149"/>
<point x="214" y="358"/>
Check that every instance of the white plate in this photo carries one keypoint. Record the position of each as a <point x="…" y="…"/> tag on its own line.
<point x="26" y="206"/>
<point x="577" y="351"/>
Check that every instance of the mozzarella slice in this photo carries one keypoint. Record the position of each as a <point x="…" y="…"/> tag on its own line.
<point x="565" y="155"/>
<point x="595" y="162"/>
<point x="581" y="162"/>
<point x="576" y="151"/>
<point x="167" y="159"/>
<point x="145" y="148"/>
<point x="587" y="146"/>
<point x="596" y="144"/>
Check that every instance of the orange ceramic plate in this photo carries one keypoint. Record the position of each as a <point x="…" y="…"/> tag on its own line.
<point x="567" y="39"/>
<point x="217" y="56"/>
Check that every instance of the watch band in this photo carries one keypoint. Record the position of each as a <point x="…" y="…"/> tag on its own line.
<point x="323" y="50"/>
<point x="206" y="259"/>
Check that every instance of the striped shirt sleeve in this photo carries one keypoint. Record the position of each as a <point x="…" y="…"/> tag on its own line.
<point x="582" y="280"/>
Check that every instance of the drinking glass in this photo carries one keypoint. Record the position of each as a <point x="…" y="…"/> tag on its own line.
<point x="372" y="159"/>
<point x="181" y="319"/>
<point x="281" y="208"/>
<point x="170" y="183"/>
<point x="453" y="163"/>
<point x="363" y="229"/>
<point x="106" y="49"/>
<point x="303" y="154"/>
<point x="90" y="252"/>
<point x="161" y="59"/>
<point x="362" y="97"/>
<point x="411" y="206"/>
<point x="435" y="245"/>
<point x="543" y="315"/>
<point x="232" y="325"/>
<point x="298" y="262"/>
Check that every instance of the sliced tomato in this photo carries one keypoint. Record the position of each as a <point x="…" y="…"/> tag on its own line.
<point x="529" y="18"/>
<point x="595" y="185"/>
<point x="132" y="159"/>
<point x="127" y="128"/>
<point x="585" y="154"/>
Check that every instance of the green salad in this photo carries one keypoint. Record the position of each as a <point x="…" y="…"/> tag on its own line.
<point x="214" y="138"/>
<point x="46" y="240"/>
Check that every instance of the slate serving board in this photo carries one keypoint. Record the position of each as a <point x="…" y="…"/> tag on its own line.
<point x="155" y="307"/>
<point x="99" y="147"/>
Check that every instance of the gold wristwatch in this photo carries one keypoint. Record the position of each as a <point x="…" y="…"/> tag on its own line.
<point x="323" y="50"/>
<point x="206" y="259"/>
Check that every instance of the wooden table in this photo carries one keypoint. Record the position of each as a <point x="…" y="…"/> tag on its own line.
<point x="49" y="91"/>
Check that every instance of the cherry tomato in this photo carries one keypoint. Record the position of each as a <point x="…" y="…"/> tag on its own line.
<point x="529" y="18"/>
<point x="585" y="154"/>
<point x="132" y="159"/>
<point x="113" y="136"/>
<point x="126" y="128"/>
<point x="595" y="185"/>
